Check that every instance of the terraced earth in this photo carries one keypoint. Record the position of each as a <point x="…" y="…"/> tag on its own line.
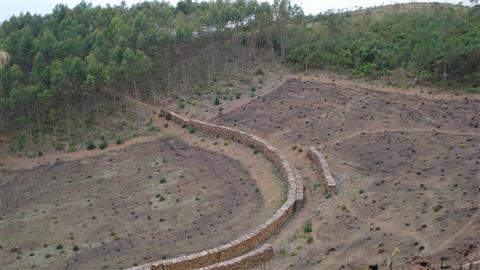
<point x="410" y="163"/>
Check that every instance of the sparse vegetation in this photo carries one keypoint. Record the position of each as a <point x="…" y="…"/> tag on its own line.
<point x="307" y="227"/>
<point x="103" y="144"/>
<point x="91" y="145"/>
<point x="216" y="101"/>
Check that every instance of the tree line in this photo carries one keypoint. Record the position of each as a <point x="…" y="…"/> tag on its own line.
<point x="60" y="65"/>
<point x="429" y="43"/>
<point x="55" y="66"/>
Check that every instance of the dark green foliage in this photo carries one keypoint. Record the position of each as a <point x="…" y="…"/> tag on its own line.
<point x="307" y="227"/>
<point x="63" y="64"/>
<point x="91" y="145"/>
<point x="119" y="141"/>
<point x="103" y="144"/>
<point x="425" y="43"/>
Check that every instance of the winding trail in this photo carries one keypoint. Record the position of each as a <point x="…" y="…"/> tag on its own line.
<point x="409" y="130"/>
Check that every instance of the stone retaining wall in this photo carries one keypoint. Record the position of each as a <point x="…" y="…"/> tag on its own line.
<point x="246" y="261"/>
<point x="259" y="235"/>
<point x="319" y="159"/>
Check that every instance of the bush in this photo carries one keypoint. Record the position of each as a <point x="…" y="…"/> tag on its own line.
<point x="91" y="145"/>
<point x="238" y="95"/>
<point x="71" y="147"/>
<point x="191" y="130"/>
<point x="168" y="116"/>
<point x="216" y="102"/>
<point x="307" y="227"/>
<point x="119" y="141"/>
<point x="259" y="71"/>
<point x="103" y="144"/>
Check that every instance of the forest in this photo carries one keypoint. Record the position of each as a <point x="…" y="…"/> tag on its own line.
<point x="58" y="70"/>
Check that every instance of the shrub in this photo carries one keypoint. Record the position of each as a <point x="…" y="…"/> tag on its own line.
<point x="91" y="145"/>
<point x="307" y="227"/>
<point x="153" y="128"/>
<point x="59" y="246"/>
<point x="259" y="71"/>
<point x="216" y="102"/>
<point x="238" y="95"/>
<point x="71" y="147"/>
<point x="103" y="145"/>
<point x="40" y="153"/>
<point x="191" y="130"/>
<point x="76" y="248"/>
<point x="168" y="116"/>
<point x="310" y="240"/>
<point x="119" y="141"/>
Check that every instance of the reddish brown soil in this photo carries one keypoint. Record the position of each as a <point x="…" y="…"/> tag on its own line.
<point x="410" y="164"/>
<point x="111" y="207"/>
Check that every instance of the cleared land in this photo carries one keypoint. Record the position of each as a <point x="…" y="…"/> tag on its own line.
<point x="134" y="205"/>
<point x="410" y="165"/>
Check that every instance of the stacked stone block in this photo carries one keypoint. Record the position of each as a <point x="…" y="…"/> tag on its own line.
<point x="319" y="160"/>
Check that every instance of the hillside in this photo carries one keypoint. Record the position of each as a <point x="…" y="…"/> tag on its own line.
<point x="240" y="135"/>
<point x="55" y="67"/>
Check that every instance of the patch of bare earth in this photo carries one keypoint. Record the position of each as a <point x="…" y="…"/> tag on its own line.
<point x="410" y="164"/>
<point x="136" y="204"/>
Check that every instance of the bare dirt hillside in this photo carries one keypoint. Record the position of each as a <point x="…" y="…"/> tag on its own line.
<point x="130" y="206"/>
<point x="409" y="165"/>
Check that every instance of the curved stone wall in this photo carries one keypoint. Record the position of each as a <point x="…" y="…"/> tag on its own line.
<point x="246" y="261"/>
<point x="321" y="162"/>
<point x="259" y="235"/>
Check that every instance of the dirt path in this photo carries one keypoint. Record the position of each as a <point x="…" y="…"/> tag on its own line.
<point x="380" y="130"/>
<point x="262" y="171"/>
<point x="422" y="92"/>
